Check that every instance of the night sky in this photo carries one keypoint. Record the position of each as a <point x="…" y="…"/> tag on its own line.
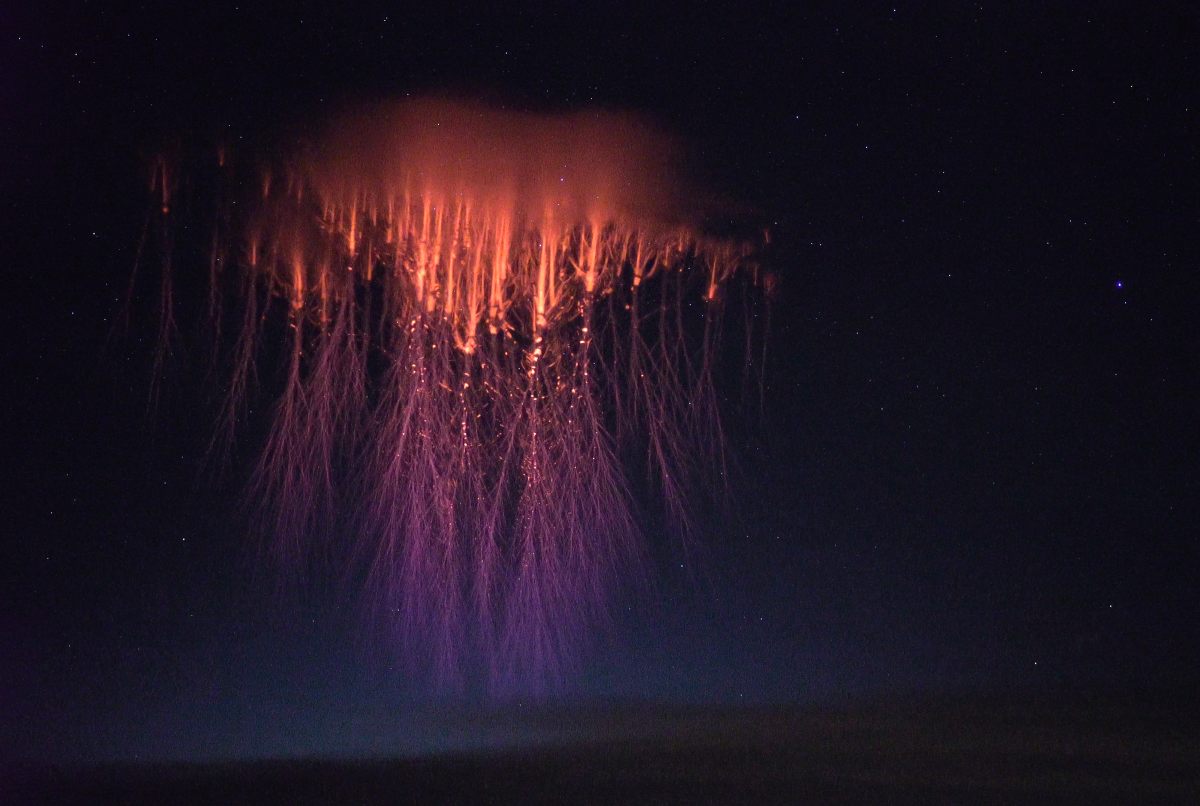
<point x="975" y="464"/>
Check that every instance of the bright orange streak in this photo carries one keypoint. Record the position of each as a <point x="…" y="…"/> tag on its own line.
<point x="491" y="221"/>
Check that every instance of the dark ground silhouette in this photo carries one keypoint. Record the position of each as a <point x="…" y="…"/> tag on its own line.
<point x="1109" y="749"/>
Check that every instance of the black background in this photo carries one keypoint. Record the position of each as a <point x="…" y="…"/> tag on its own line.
<point x="977" y="463"/>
